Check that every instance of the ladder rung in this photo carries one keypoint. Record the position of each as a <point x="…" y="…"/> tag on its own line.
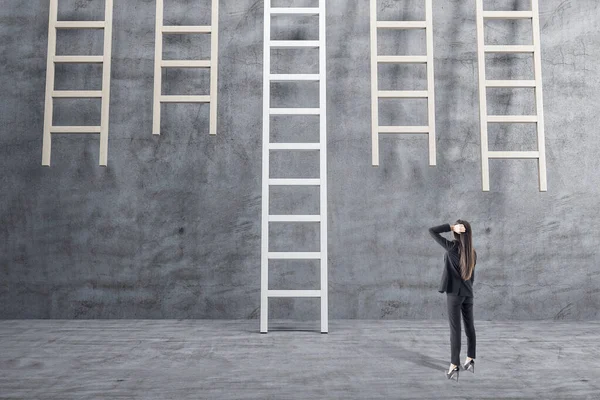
<point x="294" y="255"/>
<point x="294" y="182"/>
<point x="80" y="24"/>
<point x="513" y="154"/>
<point x="185" y="64"/>
<point x="295" y="10"/>
<point x="187" y="29"/>
<point x="184" y="99"/>
<point x="291" y="44"/>
<point x="295" y="146"/>
<point x="293" y="293"/>
<point x="77" y="93"/>
<point x="509" y="49"/>
<point x="295" y="111"/>
<point x="402" y="59"/>
<point x="510" y="83"/>
<point x="293" y="77"/>
<point x="402" y="24"/>
<point x="508" y="14"/>
<point x="79" y="59"/>
<point x="294" y="218"/>
<point x="408" y="94"/>
<point x="512" y="118"/>
<point x="403" y="129"/>
<point x="75" y="129"/>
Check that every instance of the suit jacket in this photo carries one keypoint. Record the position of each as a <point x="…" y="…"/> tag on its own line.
<point x="452" y="282"/>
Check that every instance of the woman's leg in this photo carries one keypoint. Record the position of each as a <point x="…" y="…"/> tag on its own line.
<point x="467" y="313"/>
<point x="454" y="306"/>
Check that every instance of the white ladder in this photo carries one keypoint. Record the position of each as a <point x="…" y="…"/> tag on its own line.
<point x="104" y="94"/>
<point x="320" y="146"/>
<point x="377" y="94"/>
<point x="159" y="64"/>
<point x="536" y="84"/>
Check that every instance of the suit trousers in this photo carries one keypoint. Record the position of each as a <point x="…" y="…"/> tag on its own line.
<point x="458" y="305"/>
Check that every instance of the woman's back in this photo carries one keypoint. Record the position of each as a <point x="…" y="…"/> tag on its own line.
<point x="452" y="281"/>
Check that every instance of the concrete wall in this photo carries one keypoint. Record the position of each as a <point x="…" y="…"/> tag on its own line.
<point x="171" y="228"/>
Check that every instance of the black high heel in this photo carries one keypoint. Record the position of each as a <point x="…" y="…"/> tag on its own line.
<point x="453" y="373"/>
<point x="470" y="366"/>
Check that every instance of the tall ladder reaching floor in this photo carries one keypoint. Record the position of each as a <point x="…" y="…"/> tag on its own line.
<point x="377" y="94"/>
<point x="536" y="84"/>
<point x="320" y="146"/>
<point x="104" y="94"/>
<point x="212" y="64"/>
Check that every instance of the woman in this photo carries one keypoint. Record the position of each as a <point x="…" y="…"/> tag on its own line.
<point x="457" y="282"/>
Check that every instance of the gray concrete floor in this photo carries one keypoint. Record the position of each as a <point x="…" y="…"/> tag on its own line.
<point x="216" y="359"/>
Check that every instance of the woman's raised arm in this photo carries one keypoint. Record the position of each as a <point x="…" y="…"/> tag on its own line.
<point x="435" y="234"/>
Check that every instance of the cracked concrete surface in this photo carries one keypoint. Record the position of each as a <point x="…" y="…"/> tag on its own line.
<point x="171" y="228"/>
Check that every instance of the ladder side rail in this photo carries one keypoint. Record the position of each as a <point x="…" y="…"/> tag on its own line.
<point x="374" y="85"/>
<point x="214" y="68"/>
<point x="485" y="164"/>
<point x="158" y="50"/>
<point x="430" y="82"/>
<point x="106" y="73"/>
<point x="539" y="99"/>
<point x="50" y="72"/>
<point x="264" y="253"/>
<point x="323" y="165"/>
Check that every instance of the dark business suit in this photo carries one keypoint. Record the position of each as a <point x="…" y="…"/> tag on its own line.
<point x="459" y="294"/>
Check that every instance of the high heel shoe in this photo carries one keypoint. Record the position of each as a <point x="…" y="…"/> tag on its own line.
<point x="453" y="373"/>
<point x="469" y="366"/>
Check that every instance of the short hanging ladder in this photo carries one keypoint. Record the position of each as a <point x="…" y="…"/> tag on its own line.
<point x="267" y="146"/>
<point x="536" y="84"/>
<point x="212" y="64"/>
<point x="377" y="94"/>
<point x="104" y="94"/>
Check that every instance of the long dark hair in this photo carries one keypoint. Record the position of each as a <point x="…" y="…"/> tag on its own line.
<point x="466" y="250"/>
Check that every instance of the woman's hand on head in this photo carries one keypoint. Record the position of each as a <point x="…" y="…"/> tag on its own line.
<point x="458" y="228"/>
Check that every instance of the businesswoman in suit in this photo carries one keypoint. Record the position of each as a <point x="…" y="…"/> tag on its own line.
<point x="457" y="282"/>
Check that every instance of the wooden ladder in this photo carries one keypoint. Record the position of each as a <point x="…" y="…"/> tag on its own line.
<point x="104" y="94"/>
<point x="377" y="94"/>
<point x="536" y="84"/>
<point x="268" y="146"/>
